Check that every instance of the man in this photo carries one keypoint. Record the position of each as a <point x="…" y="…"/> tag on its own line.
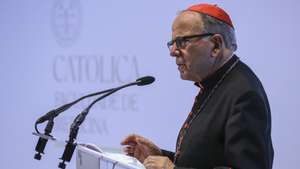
<point x="230" y="122"/>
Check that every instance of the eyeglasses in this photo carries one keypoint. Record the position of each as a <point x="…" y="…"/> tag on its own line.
<point x="181" y="41"/>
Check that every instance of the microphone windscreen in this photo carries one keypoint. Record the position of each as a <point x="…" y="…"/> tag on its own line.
<point x="145" y="80"/>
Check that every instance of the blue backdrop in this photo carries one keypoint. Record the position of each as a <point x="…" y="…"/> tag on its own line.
<point x="54" y="51"/>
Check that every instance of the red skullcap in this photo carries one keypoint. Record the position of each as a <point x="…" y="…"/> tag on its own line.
<point x="212" y="10"/>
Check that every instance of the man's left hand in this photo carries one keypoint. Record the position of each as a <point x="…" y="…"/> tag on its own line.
<point x="158" y="162"/>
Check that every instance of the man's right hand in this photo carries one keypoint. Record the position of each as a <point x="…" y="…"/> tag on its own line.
<point x="140" y="147"/>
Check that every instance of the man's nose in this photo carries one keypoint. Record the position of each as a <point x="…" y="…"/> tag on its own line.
<point x="174" y="51"/>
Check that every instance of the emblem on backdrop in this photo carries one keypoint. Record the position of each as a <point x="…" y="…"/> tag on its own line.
<point x="66" y="21"/>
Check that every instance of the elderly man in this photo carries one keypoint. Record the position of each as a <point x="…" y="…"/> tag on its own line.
<point x="230" y="123"/>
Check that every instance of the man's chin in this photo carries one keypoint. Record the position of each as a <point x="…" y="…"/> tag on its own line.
<point x="184" y="76"/>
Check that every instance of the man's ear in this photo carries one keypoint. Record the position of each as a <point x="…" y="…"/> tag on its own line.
<point x="218" y="44"/>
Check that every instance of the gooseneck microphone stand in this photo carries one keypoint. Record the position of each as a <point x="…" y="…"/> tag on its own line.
<point x="71" y="144"/>
<point x="41" y="144"/>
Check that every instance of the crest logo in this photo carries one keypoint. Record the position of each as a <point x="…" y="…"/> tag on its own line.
<point x="66" y="21"/>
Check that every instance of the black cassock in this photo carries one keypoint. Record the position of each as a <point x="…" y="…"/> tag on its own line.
<point x="232" y="127"/>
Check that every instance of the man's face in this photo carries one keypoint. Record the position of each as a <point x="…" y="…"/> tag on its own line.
<point x="194" y="58"/>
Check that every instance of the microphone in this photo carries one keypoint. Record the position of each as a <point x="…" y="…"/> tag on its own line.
<point x="71" y="145"/>
<point x="145" y="80"/>
<point x="55" y="112"/>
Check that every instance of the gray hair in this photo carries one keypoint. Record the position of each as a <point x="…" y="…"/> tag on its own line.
<point x="213" y="25"/>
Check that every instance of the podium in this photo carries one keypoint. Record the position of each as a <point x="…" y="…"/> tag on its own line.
<point x="89" y="156"/>
<point x="93" y="158"/>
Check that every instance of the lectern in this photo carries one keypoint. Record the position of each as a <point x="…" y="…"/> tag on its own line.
<point x="93" y="158"/>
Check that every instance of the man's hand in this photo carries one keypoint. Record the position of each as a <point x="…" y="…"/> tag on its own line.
<point x="140" y="147"/>
<point x="158" y="162"/>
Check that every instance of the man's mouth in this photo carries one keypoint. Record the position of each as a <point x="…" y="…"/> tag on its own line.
<point x="181" y="67"/>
